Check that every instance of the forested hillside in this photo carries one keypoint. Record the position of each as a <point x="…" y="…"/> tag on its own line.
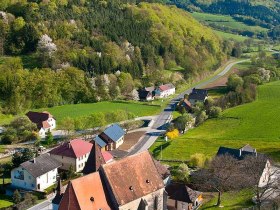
<point x="62" y="37"/>
<point x="252" y="12"/>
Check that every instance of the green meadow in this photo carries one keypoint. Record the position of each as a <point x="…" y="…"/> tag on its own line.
<point x="256" y="123"/>
<point x="79" y="110"/>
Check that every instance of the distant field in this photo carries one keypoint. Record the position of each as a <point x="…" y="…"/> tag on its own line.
<point x="225" y="35"/>
<point x="226" y="21"/>
<point x="78" y="110"/>
<point x="257" y="124"/>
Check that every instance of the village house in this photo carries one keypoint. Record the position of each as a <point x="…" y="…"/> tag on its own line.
<point x="181" y="197"/>
<point x="74" y="153"/>
<point x="96" y="159"/>
<point x="130" y="183"/>
<point x="111" y="138"/>
<point x="185" y="104"/>
<point x="44" y="120"/>
<point x="241" y="153"/>
<point x="198" y="95"/>
<point x="36" y="174"/>
<point x="145" y="95"/>
<point x="163" y="91"/>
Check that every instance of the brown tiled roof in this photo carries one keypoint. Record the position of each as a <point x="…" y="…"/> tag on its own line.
<point x="74" y="149"/>
<point x="132" y="177"/>
<point x="95" y="159"/>
<point x="39" y="118"/>
<point x="85" y="193"/>
<point x="162" y="170"/>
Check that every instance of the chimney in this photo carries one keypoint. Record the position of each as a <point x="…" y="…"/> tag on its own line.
<point x="240" y="152"/>
<point x="34" y="160"/>
<point x="69" y="145"/>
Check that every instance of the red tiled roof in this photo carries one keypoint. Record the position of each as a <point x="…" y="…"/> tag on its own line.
<point x="74" y="149"/>
<point x="85" y="193"/>
<point x="107" y="156"/>
<point x="39" y="118"/>
<point x="132" y="177"/>
<point x="187" y="103"/>
<point x="166" y="87"/>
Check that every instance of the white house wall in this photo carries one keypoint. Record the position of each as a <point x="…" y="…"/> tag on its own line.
<point x="31" y="183"/>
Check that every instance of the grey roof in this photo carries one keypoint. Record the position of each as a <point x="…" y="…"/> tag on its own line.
<point x="40" y="165"/>
<point x="114" y="132"/>
<point x="248" y="148"/>
<point x="99" y="141"/>
<point x="181" y="192"/>
<point x="236" y="153"/>
<point x="198" y="94"/>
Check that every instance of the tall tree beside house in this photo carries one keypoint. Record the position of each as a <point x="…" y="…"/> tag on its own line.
<point x="49" y="138"/>
<point x="221" y="175"/>
<point x="253" y="169"/>
<point x="70" y="172"/>
<point x="17" y="197"/>
<point x="20" y="157"/>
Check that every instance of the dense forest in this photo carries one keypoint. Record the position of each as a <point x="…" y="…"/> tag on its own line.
<point x="89" y="50"/>
<point x="252" y="12"/>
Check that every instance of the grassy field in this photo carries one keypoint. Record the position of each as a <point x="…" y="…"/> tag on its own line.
<point x="256" y="123"/>
<point x="5" y="201"/>
<point x="231" y="200"/>
<point x="78" y="110"/>
<point x="226" y="21"/>
<point x="226" y="35"/>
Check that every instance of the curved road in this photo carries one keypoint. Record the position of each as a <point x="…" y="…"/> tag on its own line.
<point x="165" y="116"/>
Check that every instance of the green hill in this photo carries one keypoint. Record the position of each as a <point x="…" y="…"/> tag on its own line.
<point x="256" y="123"/>
<point x="265" y="14"/>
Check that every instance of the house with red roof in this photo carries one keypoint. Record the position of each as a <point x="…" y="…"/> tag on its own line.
<point x="44" y="120"/>
<point x="74" y="152"/>
<point x="130" y="183"/>
<point x="164" y="91"/>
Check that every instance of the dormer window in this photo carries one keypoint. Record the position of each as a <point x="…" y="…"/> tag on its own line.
<point x="131" y="188"/>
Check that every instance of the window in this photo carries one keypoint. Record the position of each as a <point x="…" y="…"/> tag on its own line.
<point x="61" y="157"/>
<point x="156" y="203"/>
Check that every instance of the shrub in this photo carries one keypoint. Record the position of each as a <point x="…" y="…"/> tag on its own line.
<point x="214" y="112"/>
<point x="197" y="160"/>
<point x="7" y="139"/>
<point x="201" y="118"/>
<point x="182" y="173"/>
<point x="172" y="134"/>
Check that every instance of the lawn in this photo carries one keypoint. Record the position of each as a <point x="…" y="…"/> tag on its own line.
<point x="242" y="199"/>
<point x="226" y="35"/>
<point x="78" y="110"/>
<point x="256" y="123"/>
<point x="5" y="201"/>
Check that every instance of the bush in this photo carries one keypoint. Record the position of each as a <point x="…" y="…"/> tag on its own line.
<point x="201" y="118"/>
<point x="7" y="139"/>
<point x="215" y="112"/>
<point x="172" y="134"/>
<point x="197" y="160"/>
<point x="182" y="173"/>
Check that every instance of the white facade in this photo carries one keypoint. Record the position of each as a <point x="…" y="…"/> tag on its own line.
<point x="77" y="163"/>
<point x="266" y="175"/>
<point x="21" y="178"/>
<point x="167" y="93"/>
<point x="52" y="122"/>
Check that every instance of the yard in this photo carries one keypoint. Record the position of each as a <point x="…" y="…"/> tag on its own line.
<point x="242" y="199"/>
<point x="256" y="123"/>
<point x="5" y="201"/>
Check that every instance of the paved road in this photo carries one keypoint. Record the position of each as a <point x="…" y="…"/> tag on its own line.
<point x="45" y="205"/>
<point x="166" y="115"/>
